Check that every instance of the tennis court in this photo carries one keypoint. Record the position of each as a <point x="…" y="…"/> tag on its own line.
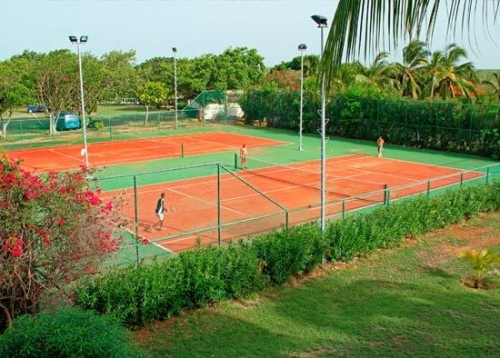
<point x="216" y="202"/>
<point x="102" y="154"/>
<point x="248" y="202"/>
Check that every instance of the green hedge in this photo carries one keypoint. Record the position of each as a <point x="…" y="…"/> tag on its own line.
<point x="198" y="277"/>
<point x="362" y="113"/>
<point x="70" y="332"/>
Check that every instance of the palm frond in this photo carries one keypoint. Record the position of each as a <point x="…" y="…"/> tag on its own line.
<point x="361" y="26"/>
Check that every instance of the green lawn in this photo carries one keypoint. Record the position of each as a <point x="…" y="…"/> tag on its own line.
<point x="403" y="302"/>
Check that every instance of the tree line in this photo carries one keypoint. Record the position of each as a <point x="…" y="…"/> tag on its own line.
<point x="52" y="79"/>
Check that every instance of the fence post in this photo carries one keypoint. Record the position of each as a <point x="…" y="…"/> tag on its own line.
<point x="136" y="222"/>
<point x="218" y="205"/>
<point x="110" y="131"/>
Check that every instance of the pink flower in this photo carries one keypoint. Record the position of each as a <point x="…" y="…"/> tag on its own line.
<point x="18" y="249"/>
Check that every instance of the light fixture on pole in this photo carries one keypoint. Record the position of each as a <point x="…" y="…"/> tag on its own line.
<point x="174" y="50"/>
<point x="74" y="40"/>
<point x="322" y="23"/>
<point x="302" y="48"/>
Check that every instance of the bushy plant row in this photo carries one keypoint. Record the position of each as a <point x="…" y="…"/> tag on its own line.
<point x="193" y="279"/>
<point x="68" y="332"/>
<point x="365" y="113"/>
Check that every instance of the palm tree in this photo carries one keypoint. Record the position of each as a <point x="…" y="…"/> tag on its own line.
<point x="456" y="76"/>
<point x="379" y="75"/>
<point x="494" y="84"/>
<point x="360" y="26"/>
<point x="409" y="72"/>
<point x="433" y="70"/>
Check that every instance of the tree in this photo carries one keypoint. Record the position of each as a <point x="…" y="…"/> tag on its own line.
<point x="237" y="68"/>
<point x="122" y="77"/>
<point x="409" y="73"/>
<point x="13" y="91"/>
<point x="379" y="75"/>
<point x="56" y="77"/>
<point x="95" y="82"/>
<point x="362" y="25"/>
<point x="494" y="85"/>
<point x="432" y="70"/>
<point x="152" y="93"/>
<point x="455" y="76"/>
<point x="55" y="229"/>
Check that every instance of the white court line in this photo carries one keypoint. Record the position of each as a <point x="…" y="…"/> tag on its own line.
<point x="205" y="201"/>
<point x="179" y="239"/>
<point x="150" y="242"/>
<point x="65" y="155"/>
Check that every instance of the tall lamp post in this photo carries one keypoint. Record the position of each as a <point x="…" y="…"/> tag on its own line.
<point x="322" y="23"/>
<point x="74" y="40"/>
<point x="302" y="48"/>
<point x="174" y="50"/>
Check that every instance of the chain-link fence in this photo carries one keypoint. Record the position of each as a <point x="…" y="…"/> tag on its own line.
<point x="210" y="204"/>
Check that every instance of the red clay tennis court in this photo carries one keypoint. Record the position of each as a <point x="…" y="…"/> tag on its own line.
<point x="102" y="154"/>
<point x="253" y="201"/>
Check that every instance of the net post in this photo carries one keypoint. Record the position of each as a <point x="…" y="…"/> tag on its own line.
<point x="136" y="222"/>
<point x="182" y="150"/>
<point x="461" y="178"/>
<point x="218" y="206"/>
<point x="286" y="219"/>
<point x="235" y="161"/>
<point x="428" y="187"/>
<point x="343" y="209"/>
<point x="487" y="174"/>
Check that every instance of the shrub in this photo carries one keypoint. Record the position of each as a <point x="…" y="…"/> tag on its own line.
<point x="69" y="332"/>
<point x="204" y="275"/>
<point x="54" y="229"/>
<point x="289" y="252"/>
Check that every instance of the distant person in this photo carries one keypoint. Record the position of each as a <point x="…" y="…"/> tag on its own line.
<point x="380" y="146"/>
<point x="160" y="210"/>
<point x="243" y="156"/>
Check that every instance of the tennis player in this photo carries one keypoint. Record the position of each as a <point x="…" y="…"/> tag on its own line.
<point x="160" y="210"/>
<point x="380" y="146"/>
<point x="243" y="156"/>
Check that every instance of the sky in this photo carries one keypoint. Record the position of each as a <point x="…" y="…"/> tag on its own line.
<point x="274" y="28"/>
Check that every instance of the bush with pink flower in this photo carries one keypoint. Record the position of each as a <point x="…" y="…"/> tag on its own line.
<point x="54" y="229"/>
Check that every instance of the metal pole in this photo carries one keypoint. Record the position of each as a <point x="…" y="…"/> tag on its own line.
<point x="174" y="49"/>
<point x="323" y="141"/>
<point x="136" y="222"/>
<point x="84" y="123"/>
<point x="301" y="48"/>
<point x="322" y="23"/>
<point x="219" y="221"/>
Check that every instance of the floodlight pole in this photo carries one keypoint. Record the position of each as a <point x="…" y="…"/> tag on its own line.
<point x="174" y="50"/>
<point x="74" y="40"/>
<point x="302" y="48"/>
<point x="322" y="23"/>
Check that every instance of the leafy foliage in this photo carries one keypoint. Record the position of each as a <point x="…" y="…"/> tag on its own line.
<point x="206" y="275"/>
<point x="66" y="333"/>
<point x="481" y="262"/>
<point x="55" y="229"/>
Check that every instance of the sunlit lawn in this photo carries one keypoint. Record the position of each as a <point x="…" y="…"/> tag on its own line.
<point x="404" y="302"/>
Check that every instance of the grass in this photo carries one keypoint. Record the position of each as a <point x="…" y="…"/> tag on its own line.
<point x="403" y="302"/>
